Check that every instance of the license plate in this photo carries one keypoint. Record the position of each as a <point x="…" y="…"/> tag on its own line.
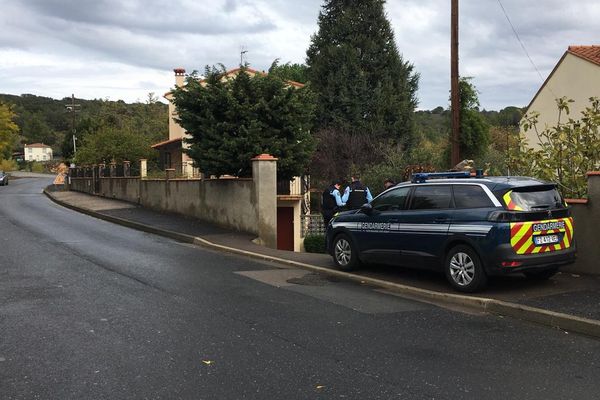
<point x="548" y="239"/>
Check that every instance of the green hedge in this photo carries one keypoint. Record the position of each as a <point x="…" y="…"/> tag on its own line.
<point x="8" y="165"/>
<point x="37" y="167"/>
<point x="315" y="244"/>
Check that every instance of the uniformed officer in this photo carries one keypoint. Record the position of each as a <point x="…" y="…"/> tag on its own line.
<point x="331" y="202"/>
<point x="356" y="194"/>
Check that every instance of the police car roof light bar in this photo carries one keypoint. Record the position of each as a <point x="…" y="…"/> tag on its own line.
<point x="424" y="176"/>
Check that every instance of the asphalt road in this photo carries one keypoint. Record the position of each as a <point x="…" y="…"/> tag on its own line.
<point x="92" y="310"/>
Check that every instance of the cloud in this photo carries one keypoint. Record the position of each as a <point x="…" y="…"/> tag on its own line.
<point x="157" y="18"/>
<point x="112" y="48"/>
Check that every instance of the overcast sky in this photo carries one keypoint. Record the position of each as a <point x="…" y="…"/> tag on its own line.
<point x="124" y="49"/>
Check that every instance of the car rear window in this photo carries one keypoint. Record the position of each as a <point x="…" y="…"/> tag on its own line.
<point x="533" y="200"/>
<point x="471" y="196"/>
<point x="431" y="197"/>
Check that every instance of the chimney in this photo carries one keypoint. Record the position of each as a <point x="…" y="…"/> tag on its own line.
<point x="179" y="76"/>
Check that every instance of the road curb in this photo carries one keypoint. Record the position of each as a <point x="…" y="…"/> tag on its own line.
<point x="181" y="237"/>
<point x="541" y="316"/>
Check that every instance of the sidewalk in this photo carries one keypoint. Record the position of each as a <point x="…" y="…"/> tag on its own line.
<point x="567" y="301"/>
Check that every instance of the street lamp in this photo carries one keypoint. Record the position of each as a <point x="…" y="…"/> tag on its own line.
<point x="73" y="109"/>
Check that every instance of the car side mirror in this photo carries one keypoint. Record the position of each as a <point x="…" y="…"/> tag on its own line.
<point x="366" y="209"/>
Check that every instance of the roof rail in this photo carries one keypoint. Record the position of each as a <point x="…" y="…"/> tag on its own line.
<point x="424" y="176"/>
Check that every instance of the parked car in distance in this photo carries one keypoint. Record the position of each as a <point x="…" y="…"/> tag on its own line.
<point x="3" y="178"/>
<point x="469" y="228"/>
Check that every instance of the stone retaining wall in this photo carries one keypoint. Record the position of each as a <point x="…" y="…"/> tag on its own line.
<point x="586" y="217"/>
<point x="248" y="205"/>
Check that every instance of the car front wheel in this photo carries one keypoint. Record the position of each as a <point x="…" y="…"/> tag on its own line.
<point x="464" y="270"/>
<point x="345" y="255"/>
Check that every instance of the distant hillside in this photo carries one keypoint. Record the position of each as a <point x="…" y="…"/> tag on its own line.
<point x="46" y="120"/>
<point x="435" y="124"/>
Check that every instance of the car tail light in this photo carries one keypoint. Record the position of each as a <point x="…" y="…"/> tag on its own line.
<point x="511" y="263"/>
<point x="502" y="216"/>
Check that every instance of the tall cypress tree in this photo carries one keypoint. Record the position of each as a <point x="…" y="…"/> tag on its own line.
<point x="362" y="83"/>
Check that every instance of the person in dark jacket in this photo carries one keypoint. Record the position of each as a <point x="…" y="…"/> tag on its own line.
<point x="356" y="194"/>
<point x="331" y="201"/>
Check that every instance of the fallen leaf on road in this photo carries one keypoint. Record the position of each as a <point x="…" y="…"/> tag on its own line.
<point x="207" y="362"/>
<point x="320" y="386"/>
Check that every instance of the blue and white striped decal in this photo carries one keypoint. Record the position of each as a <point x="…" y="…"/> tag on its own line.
<point x="423" y="229"/>
<point x="474" y="230"/>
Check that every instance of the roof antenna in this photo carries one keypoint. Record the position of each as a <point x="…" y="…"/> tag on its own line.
<point x="242" y="52"/>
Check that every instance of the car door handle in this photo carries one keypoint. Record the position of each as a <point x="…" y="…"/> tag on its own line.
<point x="439" y="220"/>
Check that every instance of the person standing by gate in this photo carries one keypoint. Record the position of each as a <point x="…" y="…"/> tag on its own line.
<point x="356" y="194"/>
<point x="331" y="201"/>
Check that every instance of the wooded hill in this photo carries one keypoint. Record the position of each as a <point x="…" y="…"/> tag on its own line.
<point x="46" y="120"/>
<point x="435" y="124"/>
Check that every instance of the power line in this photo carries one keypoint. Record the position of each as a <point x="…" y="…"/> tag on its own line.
<point x="520" y="41"/>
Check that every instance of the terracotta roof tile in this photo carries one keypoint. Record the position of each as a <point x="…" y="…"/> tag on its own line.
<point x="166" y="142"/>
<point x="252" y="71"/>
<point x="40" y="145"/>
<point x="590" y="53"/>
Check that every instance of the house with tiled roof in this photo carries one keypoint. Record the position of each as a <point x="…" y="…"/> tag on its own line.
<point x="171" y="151"/>
<point x="293" y="197"/>
<point x="576" y="76"/>
<point x="37" y="152"/>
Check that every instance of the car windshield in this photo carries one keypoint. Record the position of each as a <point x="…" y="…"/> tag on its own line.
<point x="535" y="200"/>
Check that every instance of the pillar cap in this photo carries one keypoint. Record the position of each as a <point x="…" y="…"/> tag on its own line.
<point x="264" y="157"/>
<point x="576" y="201"/>
<point x="593" y="173"/>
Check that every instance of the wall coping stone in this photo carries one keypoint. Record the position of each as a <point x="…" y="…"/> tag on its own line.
<point x="264" y="157"/>
<point x="576" y="201"/>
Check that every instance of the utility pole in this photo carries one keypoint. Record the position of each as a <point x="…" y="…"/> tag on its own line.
<point x="454" y="87"/>
<point x="73" y="109"/>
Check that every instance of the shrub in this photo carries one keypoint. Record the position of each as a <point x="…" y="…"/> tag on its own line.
<point x="37" y="167"/>
<point x="8" y="165"/>
<point x="567" y="150"/>
<point x="315" y="244"/>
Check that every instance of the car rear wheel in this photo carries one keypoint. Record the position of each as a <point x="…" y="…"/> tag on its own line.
<point x="345" y="255"/>
<point x="541" y="275"/>
<point x="464" y="270"/>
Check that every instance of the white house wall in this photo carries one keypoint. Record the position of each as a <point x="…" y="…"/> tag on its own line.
<point x="574" y="78"/>
<point x="38" y="154"/>
<point x="175" y="130"/>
